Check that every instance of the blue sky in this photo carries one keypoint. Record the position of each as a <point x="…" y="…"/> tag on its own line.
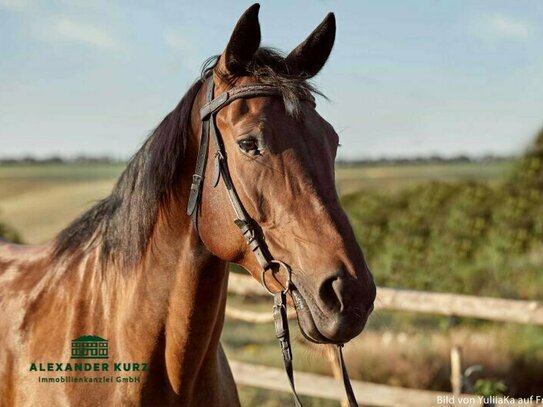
<point x="405" y="77"/>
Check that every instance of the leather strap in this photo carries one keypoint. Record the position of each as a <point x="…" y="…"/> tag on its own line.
<point x="209" y="129"/>
<point x="201" y="161"/>
<point x="282" y="333"/>
<point x="345" y="376"/>
<point x="251" y="234"/>
<point x="242" y="221"/>
<point x="241" y="92"/>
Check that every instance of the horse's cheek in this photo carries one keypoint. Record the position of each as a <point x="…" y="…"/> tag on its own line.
<point x="219" y="233"/>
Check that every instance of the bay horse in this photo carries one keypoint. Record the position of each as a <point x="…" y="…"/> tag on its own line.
<point x="136" y="272"/>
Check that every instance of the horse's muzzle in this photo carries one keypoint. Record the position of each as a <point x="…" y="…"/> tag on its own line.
<point x="335" y="326"/>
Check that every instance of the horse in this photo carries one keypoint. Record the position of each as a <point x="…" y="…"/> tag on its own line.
<point x="131" y="295"/>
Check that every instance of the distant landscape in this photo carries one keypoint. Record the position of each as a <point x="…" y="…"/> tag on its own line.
<point x="433" y="159"/>
<point x="38" y="197"/>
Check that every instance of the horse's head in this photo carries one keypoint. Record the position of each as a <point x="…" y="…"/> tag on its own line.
<point x="280" y="153"/>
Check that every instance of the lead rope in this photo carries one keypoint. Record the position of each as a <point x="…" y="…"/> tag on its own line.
<point x="251" y="235"/>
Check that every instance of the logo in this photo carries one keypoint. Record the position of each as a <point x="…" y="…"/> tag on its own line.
<point x="76" y="371"/>
<point x="89" y="347"/>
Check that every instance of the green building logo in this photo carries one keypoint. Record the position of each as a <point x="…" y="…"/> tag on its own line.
<point x="89" y="347"/>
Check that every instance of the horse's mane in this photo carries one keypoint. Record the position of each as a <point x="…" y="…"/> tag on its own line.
<point x="122" y="223"/>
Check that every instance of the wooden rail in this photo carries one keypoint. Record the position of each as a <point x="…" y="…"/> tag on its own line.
<point x="371" y="394"/>
<point x="392" y="299"/>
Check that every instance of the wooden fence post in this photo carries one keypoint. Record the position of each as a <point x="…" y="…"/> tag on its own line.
<point x="456" y="372"/>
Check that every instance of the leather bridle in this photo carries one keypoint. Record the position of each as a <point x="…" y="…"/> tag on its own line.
<point x="252" y="236"/>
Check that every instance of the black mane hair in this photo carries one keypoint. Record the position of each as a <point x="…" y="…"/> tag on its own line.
<point x="123" y="223"/>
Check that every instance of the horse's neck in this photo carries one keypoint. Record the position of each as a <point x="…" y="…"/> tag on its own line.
<point x="168" y="311"/>
<point x="194" y="323"/>
<point x="180" y="294"/>
<point x="191" y="283"/>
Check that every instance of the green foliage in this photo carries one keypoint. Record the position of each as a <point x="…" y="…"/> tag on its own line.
<point x="466" y="236"/>
<point x="519" y="219"/>
<point x="487" y="388"/>
<point x="8" y="233"/>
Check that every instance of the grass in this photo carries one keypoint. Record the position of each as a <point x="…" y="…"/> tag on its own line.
<point x="40" y="200"/>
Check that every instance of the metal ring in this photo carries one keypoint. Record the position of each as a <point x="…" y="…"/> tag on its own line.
<point x="289" y="276"/>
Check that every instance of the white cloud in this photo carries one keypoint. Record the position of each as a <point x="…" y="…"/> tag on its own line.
<point x="501" y="26"/>
<point x="67" y="30"/>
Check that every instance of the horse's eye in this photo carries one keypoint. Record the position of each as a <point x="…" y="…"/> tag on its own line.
<point x="249" y="145"/>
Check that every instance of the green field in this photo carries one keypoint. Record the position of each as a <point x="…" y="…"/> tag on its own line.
<point x="394" y="178"/>
<point x="39" y="200"/>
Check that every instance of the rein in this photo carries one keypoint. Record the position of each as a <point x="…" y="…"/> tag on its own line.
<point x="247" y="227"/>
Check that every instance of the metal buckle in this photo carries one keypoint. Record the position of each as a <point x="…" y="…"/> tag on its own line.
<point x="289" y="276"/>
<point x="196" y="181"/>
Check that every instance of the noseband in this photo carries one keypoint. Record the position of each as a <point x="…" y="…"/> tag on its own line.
<point x="252" y="236"/>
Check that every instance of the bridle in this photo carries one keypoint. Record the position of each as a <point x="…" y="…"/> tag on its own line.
<point x="252" y="236"/>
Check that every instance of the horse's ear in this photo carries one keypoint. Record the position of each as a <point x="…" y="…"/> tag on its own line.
<point x="243" y="43"/>
<point x="308" y="58"/>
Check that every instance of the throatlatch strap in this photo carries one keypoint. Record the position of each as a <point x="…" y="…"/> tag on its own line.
<point x="201" y="161"/>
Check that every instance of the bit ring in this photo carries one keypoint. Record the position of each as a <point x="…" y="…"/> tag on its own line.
<point x="289" y="276"/>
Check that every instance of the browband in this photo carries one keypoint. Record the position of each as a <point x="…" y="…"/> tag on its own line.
<point x="240" y="92"/>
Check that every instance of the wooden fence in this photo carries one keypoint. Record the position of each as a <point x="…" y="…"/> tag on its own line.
<point x="494" y="309"/>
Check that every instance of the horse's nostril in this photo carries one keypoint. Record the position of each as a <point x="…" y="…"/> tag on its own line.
<point x="339" y="290"/>
<point x="331" y="293"/>
<point x="342" y="293"/>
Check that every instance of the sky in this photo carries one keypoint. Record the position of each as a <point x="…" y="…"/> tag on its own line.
<point x="405" y="78"/>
